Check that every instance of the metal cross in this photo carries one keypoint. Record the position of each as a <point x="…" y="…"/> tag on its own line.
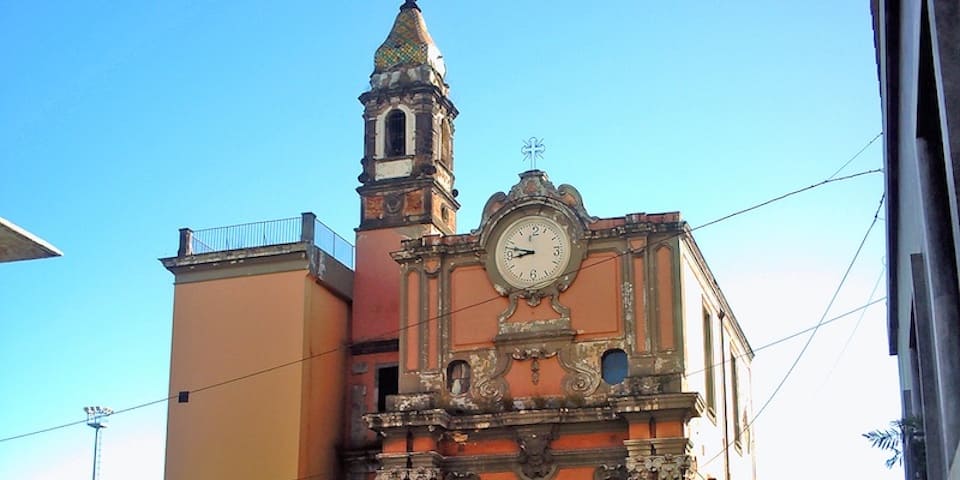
<point x="532" y="150"/>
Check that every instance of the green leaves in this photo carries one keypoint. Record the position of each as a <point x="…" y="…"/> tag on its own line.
<point x="903" y="434"/>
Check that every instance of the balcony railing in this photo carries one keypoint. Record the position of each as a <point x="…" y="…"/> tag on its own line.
<point x="305" y="228"/>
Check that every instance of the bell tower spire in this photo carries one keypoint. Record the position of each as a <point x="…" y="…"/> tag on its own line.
<point x="407" y="176"/>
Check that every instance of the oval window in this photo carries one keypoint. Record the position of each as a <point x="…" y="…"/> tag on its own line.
<point x="613" y="366"/>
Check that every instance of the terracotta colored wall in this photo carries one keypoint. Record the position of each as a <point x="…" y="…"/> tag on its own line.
<point x="362" y="377"/>
<point x="594" y="298"/>
<point x="520" y="378"/>
<point x="665" y="298"/>
<point x="377" y="282"/>
<point x="325" y="334"/>
<point x="224" y="329"/>
<point x="472" y="322"/>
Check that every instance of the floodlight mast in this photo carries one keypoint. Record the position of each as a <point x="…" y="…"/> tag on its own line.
<point x="97" y="419"/>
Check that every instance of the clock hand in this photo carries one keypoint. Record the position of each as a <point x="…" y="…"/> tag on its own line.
<point x="523" y="251"/>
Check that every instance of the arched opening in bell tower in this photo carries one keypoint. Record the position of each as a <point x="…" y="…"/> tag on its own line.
<point x="396" y="134"/>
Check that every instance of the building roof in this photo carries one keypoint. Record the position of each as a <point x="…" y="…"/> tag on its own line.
<point x="409" y="43"/>
<point x="19" y="244"/>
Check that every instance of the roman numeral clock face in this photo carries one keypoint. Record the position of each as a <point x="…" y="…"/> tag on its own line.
<point x="532" y="252"/>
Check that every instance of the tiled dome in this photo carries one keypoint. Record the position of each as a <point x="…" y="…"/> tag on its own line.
<point x="409" y="43"/>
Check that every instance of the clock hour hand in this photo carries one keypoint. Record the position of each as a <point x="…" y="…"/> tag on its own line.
<point x="521" y="251"/>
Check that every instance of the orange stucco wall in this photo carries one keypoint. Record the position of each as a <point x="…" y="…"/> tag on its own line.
<point x="594" y="298"/>
<point x="324" y="335"/>
<point x="520" y="378"/>
<point x="665" y="293"/>
<point x="362" y="376"/>
<point x="377" y="282"/>
<point x="227" y="328"/>
<point x="474" y="308"/>
<point x="642" y="339"/>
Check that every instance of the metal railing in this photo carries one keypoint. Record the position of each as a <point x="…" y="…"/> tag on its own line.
<point x="335" y="245"/>
<point x="246" y="235"/>
<point x="305" y="228"/>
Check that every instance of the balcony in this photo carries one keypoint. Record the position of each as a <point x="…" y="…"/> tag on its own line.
<point x="305" y="229"/>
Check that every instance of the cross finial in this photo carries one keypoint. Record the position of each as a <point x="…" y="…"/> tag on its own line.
<point x="409" y="4"/>
<point x="532" y="151"/>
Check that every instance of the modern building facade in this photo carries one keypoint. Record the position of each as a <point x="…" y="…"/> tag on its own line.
<point x="18" y="244"/>
<point x="545" y="343"/>
<point x="917" y="42"/>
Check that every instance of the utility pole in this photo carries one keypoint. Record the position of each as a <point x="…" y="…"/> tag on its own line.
<point x="97" y="419"/>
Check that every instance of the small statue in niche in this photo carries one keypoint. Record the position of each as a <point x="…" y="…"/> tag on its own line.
<point x="458" y="377"/>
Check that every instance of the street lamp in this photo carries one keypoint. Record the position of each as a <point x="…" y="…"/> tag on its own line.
<point x="97" y="419"/>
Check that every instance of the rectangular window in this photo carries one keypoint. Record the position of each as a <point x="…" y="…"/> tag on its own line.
<point x="735" y="398"/>
<point x="388" y="383"/>
<point x="708" y="360"/>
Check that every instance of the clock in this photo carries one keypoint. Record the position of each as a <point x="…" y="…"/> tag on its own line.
<point x="532" y="252"/>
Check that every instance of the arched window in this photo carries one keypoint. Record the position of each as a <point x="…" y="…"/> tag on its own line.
<point x="396" y="134"/>
<point x="446" y="142"/>
<point x="458" y="377"/>
<point x="613" y="366"/>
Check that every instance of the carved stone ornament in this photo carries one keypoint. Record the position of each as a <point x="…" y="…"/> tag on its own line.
<point x="461" y="476"/>
<point x="662" y="467"/>
<point x="419" y="473"/>
<point x="582" y="378"/>
<point x="535" y="184"/>
<point x="606" y="472"/>
<point x="535" y="459"/>
<point x="533" y="354"/>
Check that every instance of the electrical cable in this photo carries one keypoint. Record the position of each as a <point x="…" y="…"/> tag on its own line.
<point x="389" y="334"/>
<point x="854" y="157"/>
<point x="853" y="332"/>
<point x="806" y="345"/>
<point x="765" y="346"/>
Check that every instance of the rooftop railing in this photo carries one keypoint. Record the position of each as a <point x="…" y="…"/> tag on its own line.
<point x="303" y="229"/>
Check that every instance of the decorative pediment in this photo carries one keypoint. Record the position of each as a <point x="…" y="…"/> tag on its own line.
<point x="535" y="186"/>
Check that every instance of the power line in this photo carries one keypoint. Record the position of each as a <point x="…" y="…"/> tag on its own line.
<point x="772" y="343"/>
<point x="813" y="333"/>
<point x="855" y="155"/>
<point x="389" y="334"/>
<point x="853" y="332"/>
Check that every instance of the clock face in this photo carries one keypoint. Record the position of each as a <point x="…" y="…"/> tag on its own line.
<point x="532" y="252"/>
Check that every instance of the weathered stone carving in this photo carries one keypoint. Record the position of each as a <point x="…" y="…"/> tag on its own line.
<point x="534" y="354"/>
<point x="419" y="473"/>
<point x="491" y="386"/>
<point x="536" y="184"/>
<point x="662" y="467"/>
<point x="606" y="472"/>
<point x="461" y="476"/>
<point x="581" y="379"/>
<point x="536" y="461"/>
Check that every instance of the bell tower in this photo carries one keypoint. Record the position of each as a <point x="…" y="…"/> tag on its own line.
<point x="408" y="133"/>
<point x="406" y="192"/>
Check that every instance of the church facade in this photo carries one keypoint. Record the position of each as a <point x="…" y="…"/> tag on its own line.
<point x="545" y="343"/>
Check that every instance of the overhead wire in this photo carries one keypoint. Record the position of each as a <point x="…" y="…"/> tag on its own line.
<point x="853" y="332"/>
<point x="813" y="333"/>
<point x="765" y="346"/>
<point x="855" y="155"/>
<point x="390" y="333"/>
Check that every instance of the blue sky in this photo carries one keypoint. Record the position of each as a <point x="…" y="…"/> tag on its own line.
<point x="122" y="122"/>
